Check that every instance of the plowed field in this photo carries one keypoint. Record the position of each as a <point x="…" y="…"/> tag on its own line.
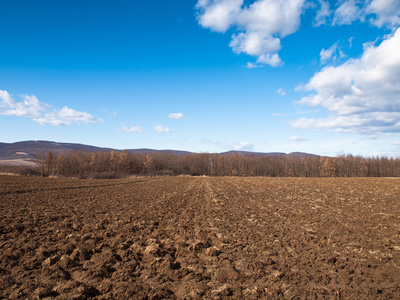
<point x="200" y="238"/>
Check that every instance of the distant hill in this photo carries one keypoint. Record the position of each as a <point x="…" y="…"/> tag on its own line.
<point x="302" y="154"/>
<point x="145" y="150"/>
<point x="249" y="153"/>
<point x="28" y="150"/>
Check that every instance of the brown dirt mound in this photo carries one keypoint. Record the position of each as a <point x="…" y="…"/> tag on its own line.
<point x="199" y="238"/>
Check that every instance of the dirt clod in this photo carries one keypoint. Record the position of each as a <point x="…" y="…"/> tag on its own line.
<point x="199" y="238"/>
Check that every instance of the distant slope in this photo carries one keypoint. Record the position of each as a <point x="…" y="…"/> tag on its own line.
<point x="249" y="153"/>
<point x="28" y="150"/>
<point x="145" y="150"/>
<point x="302" y="154"/>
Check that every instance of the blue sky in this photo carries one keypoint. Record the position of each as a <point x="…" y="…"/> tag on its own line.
<point x="205" y="76"/>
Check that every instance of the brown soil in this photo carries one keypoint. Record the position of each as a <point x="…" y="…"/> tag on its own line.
<point x="199" y="238"/>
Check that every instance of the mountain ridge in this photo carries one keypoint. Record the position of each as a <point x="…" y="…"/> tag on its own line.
<point x="28" y="150"/>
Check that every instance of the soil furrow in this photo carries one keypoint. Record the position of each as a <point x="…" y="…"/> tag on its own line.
<point x="199" y="238"/>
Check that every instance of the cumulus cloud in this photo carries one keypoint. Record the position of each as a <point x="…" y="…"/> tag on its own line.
<point x="387" y="13"/>
<point x="177" y="116"/>
<point x="136" y="128"/>
<point x="362" y="95"/>
<point x="260" y="26"/>
<point x="218" y="15"/>
<point x="162" y="129"/>
<point x="31" y="107"/>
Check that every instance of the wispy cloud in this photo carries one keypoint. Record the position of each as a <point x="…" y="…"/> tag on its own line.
<point x="31" y="107"/>
<point x="347" y="12"/>
<point x="281" y="92"/>
<point x="294" y="114"/>
<point x="177" y="116"/>
<point x="323" y="14"/>
<point x="162" y="129"/>
<point x="136" y="128"/>
<point x="380" y="13"/>
<point x="295" y="138"/>
<point x="65" y="117"/>
<point x="332" y="54"/>
<point x="114" y="113"/>
<point x="251" y="65"/>
<point x="362" y="95"/>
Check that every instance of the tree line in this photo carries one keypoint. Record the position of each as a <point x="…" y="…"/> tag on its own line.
<point x="113" y="164"/>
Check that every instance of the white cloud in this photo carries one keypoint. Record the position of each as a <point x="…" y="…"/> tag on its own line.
<point x="260" y="25"/>
<point x="218" y="15"/>
<point x="295" y="138"/>
<point x="323" y="13"/>
<point x="162" y="129"/>
<point x="333" y="53"/>
<point x="136" y="128"/>
<point x="65" y="117"/>
<point x="177" y="116"/>
<point x="31" y="107"/>
<point x="6" y="100"/>
<point x="253" y="43"/>
<point x="281" y="92"/>
<point x="271" y="17"/>
<point x="380" y="13"/>
<point x="351" y="41"/>
<point x="244" y="146"/>
<point x="362" y="95"/>
<point x="387" y="13"/>
<point x="396" y="143"/>
<point x="326" y="55"/>
<point x="270" y="59"/>
<point x="251" y="65"/>
<point x="347" y="13"/>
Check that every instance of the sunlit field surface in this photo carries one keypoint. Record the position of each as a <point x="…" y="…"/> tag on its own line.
<point x="200" y="238"/>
